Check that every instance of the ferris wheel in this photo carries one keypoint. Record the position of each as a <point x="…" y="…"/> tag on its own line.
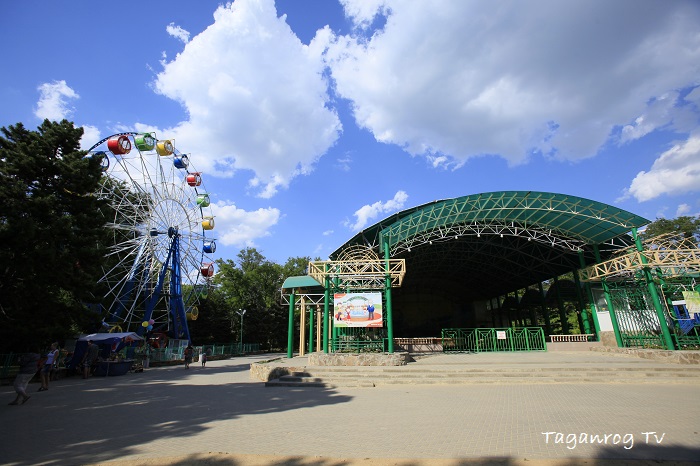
<point x="160" y="241"/>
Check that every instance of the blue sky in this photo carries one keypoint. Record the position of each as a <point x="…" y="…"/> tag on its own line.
<point x="312" y="119"/>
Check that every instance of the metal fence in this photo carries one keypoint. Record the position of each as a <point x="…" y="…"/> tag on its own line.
<point x="359" y="340"/>
<point x="477" y="340"/>
<point x="175" y="354"/>
<point x="360" y="346"/>
<point x="636" y="317"/>
<point x="689" y="341"/>
<point x="10" y="363"/>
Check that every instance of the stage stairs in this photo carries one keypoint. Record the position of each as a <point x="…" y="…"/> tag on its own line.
<point x="465" y="369"/>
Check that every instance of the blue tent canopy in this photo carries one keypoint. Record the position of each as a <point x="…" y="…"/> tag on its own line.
<point x="128" y="338"/>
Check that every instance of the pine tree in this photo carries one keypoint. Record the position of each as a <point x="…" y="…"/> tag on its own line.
<point x="51" y="234"/>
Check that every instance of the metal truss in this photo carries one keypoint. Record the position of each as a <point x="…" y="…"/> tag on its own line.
<point x="359" y="274"/>
<point x="569" y="217"/>
<point x="474" y="229"/>
<point x="672" y="256"/>
<point x="311" y="299"/>
<point x="491" y="243"/>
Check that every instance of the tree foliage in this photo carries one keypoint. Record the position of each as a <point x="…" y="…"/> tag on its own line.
<point x="686" y="226"/>
<point x="253" y="283"/>
<point x="51" y="233"/>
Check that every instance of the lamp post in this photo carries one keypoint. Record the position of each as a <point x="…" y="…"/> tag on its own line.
<point x="241" y="312"/>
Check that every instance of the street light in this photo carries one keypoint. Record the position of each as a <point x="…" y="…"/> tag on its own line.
<point x="241" y="312"/>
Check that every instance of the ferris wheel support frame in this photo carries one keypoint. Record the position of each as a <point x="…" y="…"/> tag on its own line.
<point x="177" y="306"/>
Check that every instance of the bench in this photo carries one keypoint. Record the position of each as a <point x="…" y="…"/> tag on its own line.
<point x="571" y="338"/>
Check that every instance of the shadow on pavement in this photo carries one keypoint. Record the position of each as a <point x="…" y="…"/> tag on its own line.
<point x="101" y="419"/>
<point x="223" y="459"/>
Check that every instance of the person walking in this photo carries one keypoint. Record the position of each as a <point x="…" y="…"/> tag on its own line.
<point x="89" y="358"/>
<point x="204" y="358"/>
<point x="189" y="351"/>
<point x="45" y="372"/>
<point x="28" y="366"/>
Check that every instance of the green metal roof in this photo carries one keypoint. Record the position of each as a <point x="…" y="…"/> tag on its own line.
<point x="497" y="242"/>
<point x="582" y="220"/>
<point x="302" y="281"/>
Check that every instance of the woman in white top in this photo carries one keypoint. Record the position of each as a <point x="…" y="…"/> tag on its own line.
<point x="45" y="372"/>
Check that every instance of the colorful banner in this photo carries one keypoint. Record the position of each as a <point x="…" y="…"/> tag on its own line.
<point x="692" y="301"/>
<point x="357" y="310"/>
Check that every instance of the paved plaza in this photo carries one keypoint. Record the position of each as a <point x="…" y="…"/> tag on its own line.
<point x="217" y="415"/>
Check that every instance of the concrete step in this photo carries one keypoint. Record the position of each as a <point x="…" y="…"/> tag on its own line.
<point x="510" y="370"/>
<point x="375" y="376"/>
<point x="337" y="383"/>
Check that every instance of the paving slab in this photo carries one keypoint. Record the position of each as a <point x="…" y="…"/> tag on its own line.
<point x="217" y="415"/>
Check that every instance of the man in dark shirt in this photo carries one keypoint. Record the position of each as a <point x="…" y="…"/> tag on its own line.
<point x="89" y="358"/>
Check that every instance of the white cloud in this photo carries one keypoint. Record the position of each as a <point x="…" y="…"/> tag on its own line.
<point x="676" y="171"/>
<point x="178" y="33"/>
<point x="91" y="135"/>
<point x="657" y="114"/>
<point x="256" y="97"/>
<point x="439" y="161"/>
<point x="240" y="228"/>
<point x="694" y="96"/>
<point x="367" y="213"/>
<point x="53" y="101"/>
<point x="327" y="233"/>
<point x="683" y="209"/>
<point x="319" y="249"/>
<point x="464" y="78"/>
<point x="363" y="12"/>
<point x="343" y="163"/>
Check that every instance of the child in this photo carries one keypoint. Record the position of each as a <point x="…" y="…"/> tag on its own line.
<point x="204" y="358"/>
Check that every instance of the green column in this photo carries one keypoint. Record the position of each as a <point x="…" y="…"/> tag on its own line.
<point x="584" y="315"/>
<point x="290" y="332"/>
<point x="326" y="304"/>
<point x="312" y="310"/>
<point x="500" y="311"/>
<point x="562" y="311"/>
<point x="545" y="311"/>
<point x="591" y="299"/>
<point x="668" y="341"/>
<point x="510" y="319"/>
<point x="608" y="299"/>
<point x="534" y="321"/>
<point x="387" y="290"/>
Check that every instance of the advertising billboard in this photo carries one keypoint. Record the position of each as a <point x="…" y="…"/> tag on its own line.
<point x="357" y="310"/>
<point x="692" y="301"/>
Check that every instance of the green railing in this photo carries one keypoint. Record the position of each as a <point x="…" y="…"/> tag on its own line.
<point x="356" y="345"/>
<point x="691" y="341"/>
<point x="9" y="362"/>
<point x="359" y="340"/>
<point x="171" y="354"/>
<point x="477" y="340"/>
<point x="641" y="340"/>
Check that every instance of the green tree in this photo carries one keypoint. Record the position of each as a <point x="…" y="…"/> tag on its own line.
<point x="253" y="283"/>
<point x="51" y="234"/>
<point x="213" y="324"/>
<point x="689" y="227"/>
